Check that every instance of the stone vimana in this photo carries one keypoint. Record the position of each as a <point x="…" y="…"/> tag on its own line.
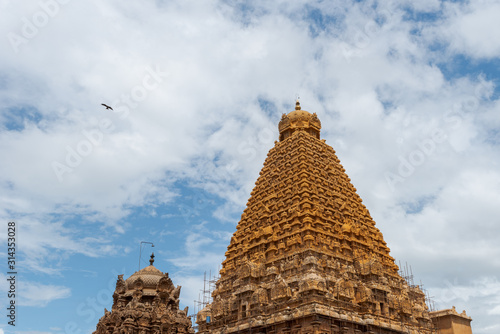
<point x="306" y="258"/>
<point x="146" y="302"/>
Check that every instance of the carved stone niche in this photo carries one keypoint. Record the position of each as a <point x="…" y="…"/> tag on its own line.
<point x="165" y="285"/>
<point x="139" y="284"/>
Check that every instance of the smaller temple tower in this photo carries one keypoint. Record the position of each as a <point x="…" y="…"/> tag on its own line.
<point x="451" y="322"/>
<point x="147" y="302"/>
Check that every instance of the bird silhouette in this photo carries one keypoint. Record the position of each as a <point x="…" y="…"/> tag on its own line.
<point x="107" y="107"/>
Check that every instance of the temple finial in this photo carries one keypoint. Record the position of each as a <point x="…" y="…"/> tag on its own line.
<point x="297" y="105"/>
<point x="152" y="259"/>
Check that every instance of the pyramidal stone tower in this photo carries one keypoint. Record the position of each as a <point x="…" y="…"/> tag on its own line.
<point x="306" y="256"/>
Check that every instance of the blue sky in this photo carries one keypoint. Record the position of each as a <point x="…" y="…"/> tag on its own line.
<point x="407" y="93"/>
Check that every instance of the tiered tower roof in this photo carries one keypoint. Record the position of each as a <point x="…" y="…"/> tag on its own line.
<point x="306" y="251"/>
<point x="146" y="302"/>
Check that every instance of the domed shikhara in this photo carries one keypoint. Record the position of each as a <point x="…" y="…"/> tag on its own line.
<point x="299" y="120"/>
<point x="146" y="279"/>
<point x="146" y="302"/>
<point x="306" y="256"/>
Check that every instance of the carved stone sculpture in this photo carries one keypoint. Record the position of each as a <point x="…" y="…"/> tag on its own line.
<point x="146" y="302"/>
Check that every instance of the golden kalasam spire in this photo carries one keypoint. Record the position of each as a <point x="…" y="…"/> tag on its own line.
<point x="306" y="256"/>
<point x="299" y="120"/>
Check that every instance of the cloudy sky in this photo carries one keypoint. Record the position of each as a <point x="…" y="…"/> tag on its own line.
<point x="407" y="93"/>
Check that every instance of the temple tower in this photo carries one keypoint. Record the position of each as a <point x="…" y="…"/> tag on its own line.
<point x="145" y="303"/>
<point x="306" y="256"/>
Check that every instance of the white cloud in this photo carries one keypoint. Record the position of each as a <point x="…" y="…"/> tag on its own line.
<point x="202" y="248"/>
<point x="471" y="28"/>
<point x="33" y="332"/>
<point x="424" y="6"/>
<point x="40" y="295"/>
<point x="44" y="243"/>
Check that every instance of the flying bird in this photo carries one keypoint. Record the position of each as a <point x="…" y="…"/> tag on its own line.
<point x="107" y="107"/>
